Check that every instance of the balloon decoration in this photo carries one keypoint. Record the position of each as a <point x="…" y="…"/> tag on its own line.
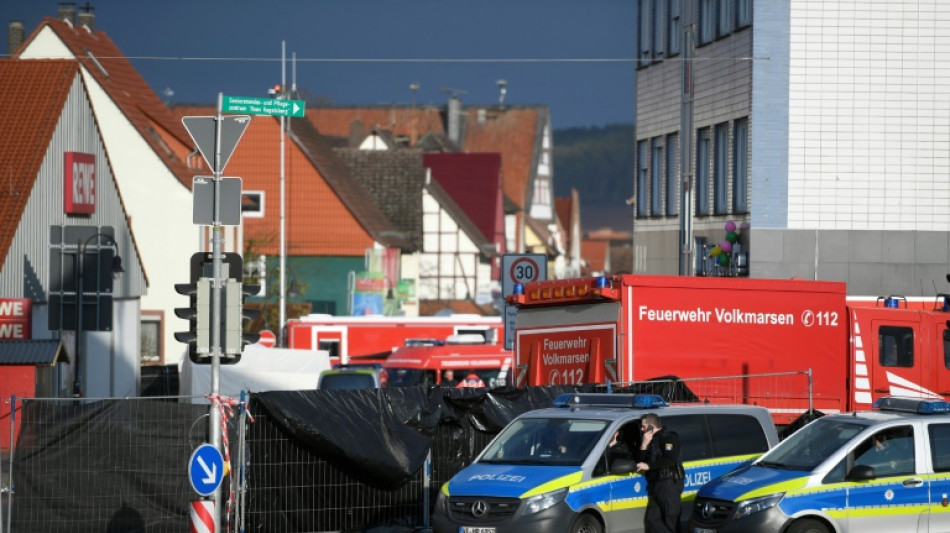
<point x="721" y="253"/>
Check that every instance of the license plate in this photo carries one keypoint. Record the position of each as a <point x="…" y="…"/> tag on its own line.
<point x="703" y="530"/>
<point x="464" y="529"/>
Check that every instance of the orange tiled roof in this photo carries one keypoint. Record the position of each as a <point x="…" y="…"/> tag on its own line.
<point x="32" y="97"/>
<point x="595" y="254"/>
<point x="126" y="87"/>
<point x="514" y="132"/>
<point x="411" y="121"/>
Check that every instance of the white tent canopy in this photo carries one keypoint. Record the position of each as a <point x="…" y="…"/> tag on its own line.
<point x="260" y="369"/>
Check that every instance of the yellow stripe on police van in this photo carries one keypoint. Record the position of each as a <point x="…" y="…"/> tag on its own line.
<point x="870" y="512"/>
<point x="786" y="486"/>
<point x="555" y="484"/>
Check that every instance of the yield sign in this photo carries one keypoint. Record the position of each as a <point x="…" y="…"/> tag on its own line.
<point x="202" y="132"/>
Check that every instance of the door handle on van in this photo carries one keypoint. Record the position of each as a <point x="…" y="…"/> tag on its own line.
<point x="882" y="391"/>
<point x="913" y="482"/>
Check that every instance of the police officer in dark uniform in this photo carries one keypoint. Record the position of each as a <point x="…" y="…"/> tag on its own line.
<point x="659" y="461"/>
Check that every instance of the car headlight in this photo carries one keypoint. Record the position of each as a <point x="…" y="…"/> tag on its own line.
<point x="755" y="505"/>
<point x="536" y="504"/>
<point x="442" y="503"/>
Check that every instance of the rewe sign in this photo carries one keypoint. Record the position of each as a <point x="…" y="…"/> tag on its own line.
<point x="79" y="184"/>
<point x="16" y="318"/>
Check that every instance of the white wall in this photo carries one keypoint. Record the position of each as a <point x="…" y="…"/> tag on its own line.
<point x="869" y="115"/>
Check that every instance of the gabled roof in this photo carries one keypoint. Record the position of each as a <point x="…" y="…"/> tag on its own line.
<point x="32" y="96"/>
<point x="474" y="182"/>
<point x="125" y="86"/>
<point x="515" y="132"/>
<point x="319" y="149"/>
<point x="394" y="179"/>
<point x="32" y="352"/>
<point x="486" y="246"/>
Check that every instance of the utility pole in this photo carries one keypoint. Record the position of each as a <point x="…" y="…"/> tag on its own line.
<point x="283" y="202"/>
<point x="687" y="94"/>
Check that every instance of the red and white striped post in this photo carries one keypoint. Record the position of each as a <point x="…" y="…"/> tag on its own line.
<point x="202" y="517"/>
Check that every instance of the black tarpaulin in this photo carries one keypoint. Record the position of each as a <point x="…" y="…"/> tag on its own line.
<point x="386" y="433"/>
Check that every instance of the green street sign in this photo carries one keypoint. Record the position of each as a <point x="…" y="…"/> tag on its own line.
<point x="252" y="105"/>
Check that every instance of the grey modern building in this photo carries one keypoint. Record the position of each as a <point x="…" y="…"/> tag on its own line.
<point x="821" y="129"/>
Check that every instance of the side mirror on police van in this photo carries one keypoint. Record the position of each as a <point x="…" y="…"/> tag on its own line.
<point x="622" y="466"/>
<point x="862" y="473"/>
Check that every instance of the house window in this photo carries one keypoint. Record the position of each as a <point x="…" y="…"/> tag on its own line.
<point x="542" y="191"/>
<point x="659" y="28"/>
<point x="642" y="168"/>
<point x="740" y="166"/>
<point x="707" y="21"/>
<point x="252" y="204"/>
<point x="725" y="18"/>
<point x="150" y="339"/>
<point x="721" y="169"/>
<point x="656" y="179"/>
<point x="702" y="172"/>
<point x="672" y="175"/>
<point x="743" y="13"/>
<point x="675" y="31"/>
<point x="646" y="36"/>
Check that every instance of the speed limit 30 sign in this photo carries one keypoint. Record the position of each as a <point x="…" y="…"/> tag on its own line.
<point x="519" y="268"/>
<point x="522" y="268"/>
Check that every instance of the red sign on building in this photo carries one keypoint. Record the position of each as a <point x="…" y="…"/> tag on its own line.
<point x="79" y="184"/>
<point x="16" y="318"/>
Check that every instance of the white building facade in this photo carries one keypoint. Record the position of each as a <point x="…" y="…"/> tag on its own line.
<point x="822" y="129"/>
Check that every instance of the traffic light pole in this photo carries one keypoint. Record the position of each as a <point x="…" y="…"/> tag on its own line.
<point x="214" y="418"/>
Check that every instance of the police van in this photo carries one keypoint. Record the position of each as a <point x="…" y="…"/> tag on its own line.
<point x="556" y="469"/>
<point x="883" y="470"/>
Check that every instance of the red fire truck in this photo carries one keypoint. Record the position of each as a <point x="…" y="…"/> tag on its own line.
<point x="484" y="362"/>
<point x="375" y="337"/>
<point x="632" y="328"/>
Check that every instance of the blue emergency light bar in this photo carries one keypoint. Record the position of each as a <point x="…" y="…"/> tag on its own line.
<point x="912" y="405"/>
<point x="633" y="401"/>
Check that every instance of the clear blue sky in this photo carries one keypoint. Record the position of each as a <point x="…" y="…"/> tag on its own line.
<point x="239" y="43"/>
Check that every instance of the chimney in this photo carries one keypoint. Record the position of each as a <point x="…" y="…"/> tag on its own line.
<point x="86" y="18"/>
<point x="67" y="12"/>
<point x="455" y="119"/>
<point x="15" y="36"/>
<point x="357" y="133"/>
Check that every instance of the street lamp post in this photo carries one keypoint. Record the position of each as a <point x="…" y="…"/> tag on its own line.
<point x="116" y="268"/>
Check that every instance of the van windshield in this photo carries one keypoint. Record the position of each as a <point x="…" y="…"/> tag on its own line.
<point x="347" y="381"/>
<point x="810" y="446"/>
<point x="545" y="441"/>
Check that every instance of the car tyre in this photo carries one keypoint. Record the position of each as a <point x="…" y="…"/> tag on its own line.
<point x="808" y="525"/>
<point x="586" y="523"/>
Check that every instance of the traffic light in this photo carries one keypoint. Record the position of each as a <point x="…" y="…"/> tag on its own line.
<point x="234" y="316"/>
<point x="198" y="315"/>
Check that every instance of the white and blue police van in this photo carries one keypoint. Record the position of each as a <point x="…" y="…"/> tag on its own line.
<point x="884" y="470"/>
<point x="556" y="469"/>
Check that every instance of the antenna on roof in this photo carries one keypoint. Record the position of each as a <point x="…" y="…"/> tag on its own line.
<point x="414" y="87"/>
<point x="451" y="91"/>
<point x="502" y="91"/>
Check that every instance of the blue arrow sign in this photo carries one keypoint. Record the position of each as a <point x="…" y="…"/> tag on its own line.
<point x="205" y="469"/>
